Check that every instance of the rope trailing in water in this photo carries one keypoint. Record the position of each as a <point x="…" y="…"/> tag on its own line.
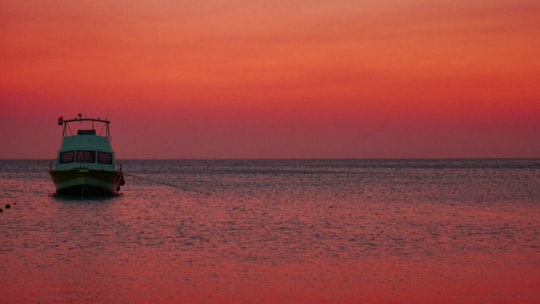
<point x="165" y="183"/>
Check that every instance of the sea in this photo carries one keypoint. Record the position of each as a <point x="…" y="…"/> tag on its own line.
<point x="276" y="231"/>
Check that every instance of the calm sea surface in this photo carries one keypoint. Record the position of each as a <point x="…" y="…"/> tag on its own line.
<point x="254" y="231"/>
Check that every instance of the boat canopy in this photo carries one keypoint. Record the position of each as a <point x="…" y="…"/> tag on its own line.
<point x="84" y="126"/>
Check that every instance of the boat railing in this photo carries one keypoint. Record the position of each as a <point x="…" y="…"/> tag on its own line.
<point x="52" y="164"/>
<point x="118" y="166"/>
<point x="66" y="123"/>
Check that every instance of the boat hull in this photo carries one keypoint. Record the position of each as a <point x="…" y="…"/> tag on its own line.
<point x="86" y="181"/>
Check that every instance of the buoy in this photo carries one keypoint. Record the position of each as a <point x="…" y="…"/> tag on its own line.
<point x="8" y="206"/>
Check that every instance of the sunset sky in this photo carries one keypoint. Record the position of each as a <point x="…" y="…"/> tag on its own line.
<point x="273" y="78"/>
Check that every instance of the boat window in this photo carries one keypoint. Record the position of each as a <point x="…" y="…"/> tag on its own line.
<point x="104" y="158"/>
<point x="86" y="132"/>
<point x="86" y="156"/>
<point x="67" y="157"/>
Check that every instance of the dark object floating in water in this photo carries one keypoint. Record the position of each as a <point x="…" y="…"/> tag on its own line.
<point x="8" y="206"/>
<point x="1" y="210"/>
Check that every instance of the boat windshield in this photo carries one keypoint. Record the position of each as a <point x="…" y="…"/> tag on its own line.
<point x="86" y="156"/>
<point x="67" y="157"/>
<point x="104" y="158"/>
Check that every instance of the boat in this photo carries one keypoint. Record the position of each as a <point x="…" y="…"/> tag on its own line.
<point x="86" y="164"/>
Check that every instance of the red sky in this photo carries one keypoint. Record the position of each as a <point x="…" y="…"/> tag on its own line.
<point x="274" y="79"/>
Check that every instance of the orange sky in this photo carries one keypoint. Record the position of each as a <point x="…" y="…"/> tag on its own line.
<point x="274" y="79"/>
